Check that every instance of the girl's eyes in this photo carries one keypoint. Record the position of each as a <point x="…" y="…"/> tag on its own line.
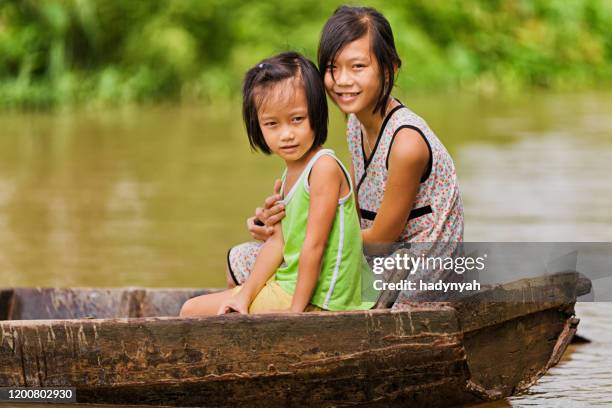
<point x="355" y="66"/>
<point x="296" y="119"/>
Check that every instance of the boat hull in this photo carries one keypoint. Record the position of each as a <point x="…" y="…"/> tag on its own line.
<point x="435" y="354"/>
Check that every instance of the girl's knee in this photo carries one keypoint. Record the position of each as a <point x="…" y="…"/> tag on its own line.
<point x="187" y="309"/>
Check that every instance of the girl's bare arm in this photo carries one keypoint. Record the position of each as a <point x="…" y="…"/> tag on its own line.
<point x="325" y="189"/>
<point x="407" y="163"/>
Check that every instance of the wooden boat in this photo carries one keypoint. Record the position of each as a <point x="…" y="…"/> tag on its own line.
<point x="115" y="347"/>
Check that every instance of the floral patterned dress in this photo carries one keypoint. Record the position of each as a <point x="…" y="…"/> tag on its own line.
<point x="437" y="216"/>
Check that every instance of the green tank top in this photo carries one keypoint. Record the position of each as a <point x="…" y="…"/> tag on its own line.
<point x="343" y="265"/>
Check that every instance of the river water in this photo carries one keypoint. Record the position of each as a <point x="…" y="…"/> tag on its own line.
<point x="155" y="196"/>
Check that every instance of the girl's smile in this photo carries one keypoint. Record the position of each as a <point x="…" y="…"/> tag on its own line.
<point x="347" y="97"/>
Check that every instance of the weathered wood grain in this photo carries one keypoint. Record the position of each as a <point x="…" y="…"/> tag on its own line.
<point x="165" y="302"/>
<point x="80" y="303"/>
<point x="51" y="303"/>
<point x="313" y="359"/>
<point x="514" y="332"/>
<point x="503" y="356"/>
<point x="479" y="348"/>
<point x="504" y="302"/>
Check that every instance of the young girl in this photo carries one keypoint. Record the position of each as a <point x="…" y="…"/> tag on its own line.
<point x="405" y="179"/>
<point x="285" y="112"/>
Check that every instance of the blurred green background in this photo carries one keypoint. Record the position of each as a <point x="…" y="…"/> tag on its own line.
<point x="124" y="162"/>
<point x="74" y="52"/>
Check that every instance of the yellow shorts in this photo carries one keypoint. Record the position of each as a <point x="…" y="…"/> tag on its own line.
<point x="272" y="297"/>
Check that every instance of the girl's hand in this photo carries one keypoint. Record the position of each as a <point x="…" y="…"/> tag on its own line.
<point x="256" y="228"/>
<point x="234" y="304"/>
<point x="261" y="225"/>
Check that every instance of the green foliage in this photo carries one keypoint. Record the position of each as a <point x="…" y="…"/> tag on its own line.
<point x="70" y="52"/>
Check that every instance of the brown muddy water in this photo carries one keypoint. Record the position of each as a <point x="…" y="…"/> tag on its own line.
<point x="155" y="196"/>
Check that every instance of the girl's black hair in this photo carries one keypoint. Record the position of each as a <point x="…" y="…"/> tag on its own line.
<point x="271" y="71"/>
<point x="350" y="23"/>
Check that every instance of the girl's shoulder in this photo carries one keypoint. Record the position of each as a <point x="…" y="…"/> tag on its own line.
<point x="329" y="179"/>
<point x="406" y="116"/>
<point x="327" y="169"/>
<point x="327" y="165"/>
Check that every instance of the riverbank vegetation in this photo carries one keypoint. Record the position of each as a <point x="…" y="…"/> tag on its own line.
<point x="81" y="52"/>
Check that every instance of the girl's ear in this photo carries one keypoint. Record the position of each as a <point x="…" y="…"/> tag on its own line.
<point x="395" y="68"/>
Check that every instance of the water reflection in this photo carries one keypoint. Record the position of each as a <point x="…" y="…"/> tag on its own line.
<point x="155" y="196"/>
<point x="548" y="187"/>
